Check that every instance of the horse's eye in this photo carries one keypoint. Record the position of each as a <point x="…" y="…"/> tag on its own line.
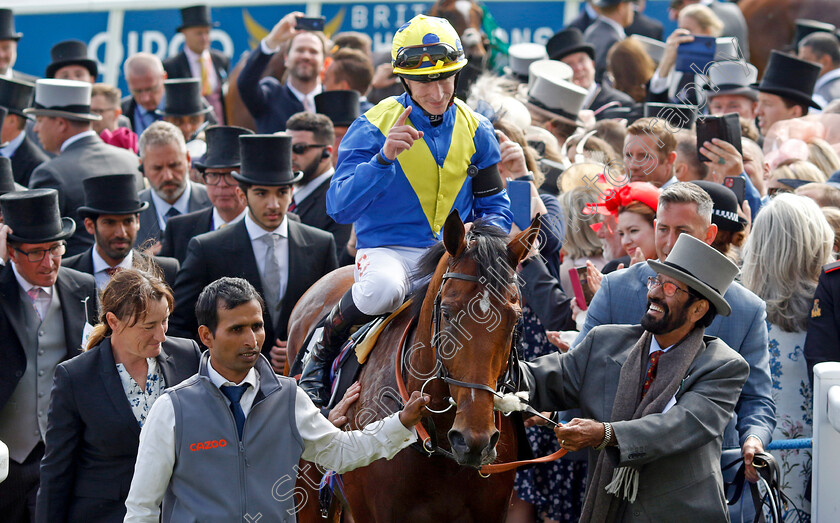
<point x="445" y="314"/>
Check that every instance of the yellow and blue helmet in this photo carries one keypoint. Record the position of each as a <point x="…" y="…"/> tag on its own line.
<point x="427" y="49"/>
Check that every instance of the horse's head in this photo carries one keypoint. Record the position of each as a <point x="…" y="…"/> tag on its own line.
<point x="476" y="310"/>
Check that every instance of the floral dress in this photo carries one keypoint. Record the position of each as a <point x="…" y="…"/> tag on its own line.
<point x="141" y="400"/>
<point x="556" y="489"/>
<point x="793" y="397"/>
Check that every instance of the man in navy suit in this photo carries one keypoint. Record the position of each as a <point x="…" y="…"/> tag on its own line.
<point x="686" y="208"/>
<point x="270" y="102"/>
<point x="165" y="162"/>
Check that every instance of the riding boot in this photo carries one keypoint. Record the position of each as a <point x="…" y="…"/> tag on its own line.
<point x="341" y="319"/>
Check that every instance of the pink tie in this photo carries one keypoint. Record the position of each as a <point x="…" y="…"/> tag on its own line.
<point x="33" y="293"/>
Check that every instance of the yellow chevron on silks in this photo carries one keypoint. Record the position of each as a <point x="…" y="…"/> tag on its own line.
<point x="257" y="32"/>
<point x="436" y="187"/>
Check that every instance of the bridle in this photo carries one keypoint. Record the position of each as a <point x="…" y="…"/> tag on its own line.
<point x="507" y="382"/>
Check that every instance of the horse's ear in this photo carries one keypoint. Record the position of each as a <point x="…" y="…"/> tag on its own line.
<point x="519" y="247"/>
<point x="453" y="234"/>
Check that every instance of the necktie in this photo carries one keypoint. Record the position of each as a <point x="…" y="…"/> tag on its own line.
<point x="33" y="294"/>
<point x="234" y="394"/>
<point x="271" y="278"/>
<point x="292" y="206"/>
<point x="111" y="271"/>
<point x="651" y="372"/>
<point x="206" y="90"/>
<point x="170" y="213"/>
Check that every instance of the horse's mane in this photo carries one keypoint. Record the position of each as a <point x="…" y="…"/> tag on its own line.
<point x="486" y="246"/>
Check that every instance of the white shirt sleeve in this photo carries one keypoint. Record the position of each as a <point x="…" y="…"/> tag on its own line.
<point x="342" y="451"/>
<point x="659" y="84"/>
<point x="155" y="461"/>
<point x="265" y="47"/>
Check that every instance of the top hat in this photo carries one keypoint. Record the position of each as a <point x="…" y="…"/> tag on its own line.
<point x="266" y="160"/>
<point x="566" y="42"/>
<point x="725" y="209"/>
<point x="676" y="115"/>
<point x="33" y="216"/>
<point x="805" y="27"/>
<point x="731" y="78"/>
<point x="790" y="77"/>
<point x="342" y="107"/>
<point x="702" y="268"/>
<point x="183" y="98"/>
<point x="111" y="194"/>
<point x="521" y="56"/>
<point x="653" y="47"/>
<point x="7" y="26"/>
<point x="63" y="99"/>
<point x="196" y="16"/>
<point x="609" y="3"/>
<point x="222" y="147"/>
<point x="549" y="90"/>
<point x="70" y="52"/>
<point x="7" y="179"/>
<point x="3" y="113"/>
<point x="16" y="95"/>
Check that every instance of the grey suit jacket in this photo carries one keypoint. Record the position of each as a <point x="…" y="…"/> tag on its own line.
<point x="149" y="226"/>
<point x="678" y="452"/>
<point x="85" y="158"/>
<point x="623" y="299"/>
<point x="828" y="92"/>
<point x="602" y="36"/>
<point x="734" y="24"/>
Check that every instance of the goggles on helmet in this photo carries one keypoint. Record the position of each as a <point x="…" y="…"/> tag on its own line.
<point x="413" y="57"/>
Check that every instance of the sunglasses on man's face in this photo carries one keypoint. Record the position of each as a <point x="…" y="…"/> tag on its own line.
<point x="301" y="148"/>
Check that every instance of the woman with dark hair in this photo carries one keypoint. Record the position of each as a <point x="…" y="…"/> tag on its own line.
<point x="101" y="398"/>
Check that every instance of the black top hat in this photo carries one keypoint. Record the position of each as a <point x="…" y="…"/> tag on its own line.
<point x="111" y="194"/>
<point x="805" y="27"/>
<point x="33" y="216"/>
<point x="7" y="26"/>
<point x="7" y="179"/>
<point x="183" y="98"/>
<point x="222" y="147"/>
<point x="196" y="16"/>
<point x="566" y="42"/>
<point x="676" y="115"/>
<point x="70" y="52"/>
<point x="725" y="208"/>
<point x="16" y="95"/>
<point x="3" y="113"/>
<point x="342" y="107"/>
<point x="790" y="77"/>
<point x="266" y="160"/>
<point x="609" y="3"/>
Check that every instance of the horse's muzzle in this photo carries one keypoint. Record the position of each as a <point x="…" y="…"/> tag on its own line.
<point x="473" y="450"/>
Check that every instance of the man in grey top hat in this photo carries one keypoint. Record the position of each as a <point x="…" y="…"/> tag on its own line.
<point x="729" y="89"/>
<point x="43" y="311"/>
<point x="63" y="124"/>
<point x="657" y="425"/>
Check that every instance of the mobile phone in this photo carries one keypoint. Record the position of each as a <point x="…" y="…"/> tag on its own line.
<point x="519" y="192"/>
<point x="580" y="286"/>
<point x="738" y="186"/>
<point x="697" y="53"/>
<point x="311" y="23"/>
<point x="726" y="127"/>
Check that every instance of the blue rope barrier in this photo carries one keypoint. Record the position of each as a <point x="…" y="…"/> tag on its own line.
<point x="790" y="444"/>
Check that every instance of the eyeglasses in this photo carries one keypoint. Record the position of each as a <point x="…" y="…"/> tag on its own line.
<point x="55" y="251"/>
<point x="216" y="178"/>
<point x="300" y="148"/>
<point x="668" y="287"/>
<point x="412" y="57"/>
<point x="147" y="90"/>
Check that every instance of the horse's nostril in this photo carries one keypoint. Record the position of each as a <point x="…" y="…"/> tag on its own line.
<point x="493" y="440"/>
<point x="458" y="442"/>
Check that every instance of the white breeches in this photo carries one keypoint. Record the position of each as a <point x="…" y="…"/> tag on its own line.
<point x="383" y="278"/>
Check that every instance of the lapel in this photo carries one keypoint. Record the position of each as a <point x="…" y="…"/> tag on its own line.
<point x="198" y="198"/>
<point x="75" y="311"/>
<point x="149" y="226"/>
<point x="297" y="265"/>
<point x="166" y="366"/>
<point x="313" y="200"/>
<point x="242" y="260"/>
<point x="86" y="262"/>
<point x="113" y="385"/>
<point x="11" y="302"/>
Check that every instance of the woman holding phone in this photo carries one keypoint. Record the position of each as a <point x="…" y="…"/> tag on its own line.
<point x="101" y="397"/>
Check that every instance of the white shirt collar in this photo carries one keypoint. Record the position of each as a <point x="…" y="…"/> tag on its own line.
<point x="75" y="138"/>
<point x="302" y="191"/>
<point x="827" y="77"/>
<point x="218" y="380"/>
<point x="218" y="221"/>
<point x="192" y="56"/>
<point x="182" y="204"/>
<point x="615" y="25"/>
<point x="654" y="346"/>
<point x="24" y="283"/>
<point x="255" y="231"/>
<point x="13" y="145"/>
<point x="310" y="97"/>
<point x="100" y="265"/>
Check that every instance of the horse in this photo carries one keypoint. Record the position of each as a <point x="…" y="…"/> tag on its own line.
<point x="454" y="341"/>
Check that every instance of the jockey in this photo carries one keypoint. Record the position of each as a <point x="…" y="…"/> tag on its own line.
<point x="402" y="168"/>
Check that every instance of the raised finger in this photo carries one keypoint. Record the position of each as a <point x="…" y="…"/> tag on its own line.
<point x="402" y="118"/>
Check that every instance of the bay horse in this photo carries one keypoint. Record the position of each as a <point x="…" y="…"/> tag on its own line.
<point x="453" y="342"/>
